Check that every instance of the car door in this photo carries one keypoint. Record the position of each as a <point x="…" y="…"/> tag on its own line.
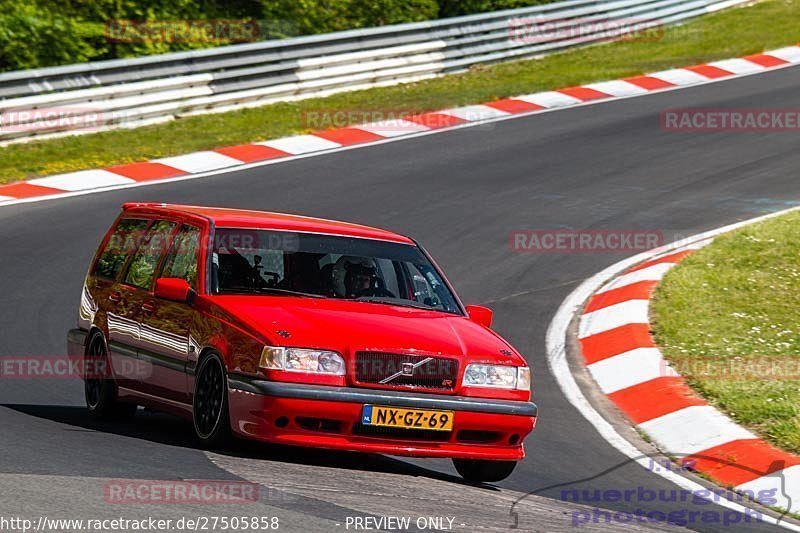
<point x="135" y="292"/>
<point x="113" y="298"/>
<point x="166" y="325"/>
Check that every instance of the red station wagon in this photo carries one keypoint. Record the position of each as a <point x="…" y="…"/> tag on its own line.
<point x="298" y="331"/>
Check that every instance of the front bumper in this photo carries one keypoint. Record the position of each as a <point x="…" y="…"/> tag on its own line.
<point x="329" y="417"/>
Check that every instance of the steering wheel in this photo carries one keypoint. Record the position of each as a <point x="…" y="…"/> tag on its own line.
<point x="261" y="281"/>
<point x="377" y="289"/>
<point x="271" y="282"/>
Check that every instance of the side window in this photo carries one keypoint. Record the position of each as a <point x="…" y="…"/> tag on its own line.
<point x="124" y="241"/>
<point x="143" y="265"/>
<point x="183" y="259"/>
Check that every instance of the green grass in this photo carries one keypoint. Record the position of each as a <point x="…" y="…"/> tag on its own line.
<point x="766" y="25"/>
<point x="727" y="319"/>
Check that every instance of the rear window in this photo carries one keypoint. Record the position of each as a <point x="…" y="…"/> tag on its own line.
<point x="124" y="241"/>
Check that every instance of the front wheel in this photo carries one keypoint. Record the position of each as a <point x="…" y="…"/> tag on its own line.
<point x="210" y="405"/>
<point x="479" y="471"/>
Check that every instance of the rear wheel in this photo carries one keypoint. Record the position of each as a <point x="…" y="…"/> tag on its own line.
<point x="480" y="471"/>
<point x="210" y="405"/>
<point x="100" y="389"/>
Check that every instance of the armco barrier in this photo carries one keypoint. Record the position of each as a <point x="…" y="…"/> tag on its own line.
<point x="132" y="92"/>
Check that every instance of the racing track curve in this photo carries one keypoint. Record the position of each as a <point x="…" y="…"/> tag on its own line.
<point x="460" y="193"/>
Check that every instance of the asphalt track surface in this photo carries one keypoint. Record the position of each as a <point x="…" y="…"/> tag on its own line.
<point x="461" y="193"/>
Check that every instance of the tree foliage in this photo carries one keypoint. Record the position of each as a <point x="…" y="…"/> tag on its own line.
<point x="40" y="33"/>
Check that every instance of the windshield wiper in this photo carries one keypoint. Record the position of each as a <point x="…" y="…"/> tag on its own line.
<point x="275" y="290"/>
<point x="388" y="300"/>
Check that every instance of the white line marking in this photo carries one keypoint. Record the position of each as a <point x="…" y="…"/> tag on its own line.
<point x="81" y="180"/>
<point x="613" y="316"/>
<point x="557" y="361"/>
<point x="301" y="144"/>
<point x="630" y="368"/>
<point x="790" y="54"/>
<point x="475" y="113"/>
<point x="777" y="488"/>
<point x="550" y="99"/>
<point x="651" y="273"/>
<point x="738" y="66"/>
<point x="393" y="128"/>
<point x="693" y="429"/>
<point x="617" y="88"/>
<point x="694" y="246"/>
<point x="679" y="76"/>
<point x="199" y="161"/>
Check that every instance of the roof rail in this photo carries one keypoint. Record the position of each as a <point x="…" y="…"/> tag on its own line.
<point x="132" y="205"/>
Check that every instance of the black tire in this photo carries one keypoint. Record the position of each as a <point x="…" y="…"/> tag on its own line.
<point x="210" y="403"/>
<point x="100" y="389"/>
<point x="479" y="471"/>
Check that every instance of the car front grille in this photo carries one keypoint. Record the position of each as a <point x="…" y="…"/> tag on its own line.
<point x="409" y="371"/>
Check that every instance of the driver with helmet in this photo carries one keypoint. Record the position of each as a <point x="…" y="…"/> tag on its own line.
<point x="356" y="277"/>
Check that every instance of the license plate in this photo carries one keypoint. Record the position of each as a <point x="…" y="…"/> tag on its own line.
<point x="395" y="417"/>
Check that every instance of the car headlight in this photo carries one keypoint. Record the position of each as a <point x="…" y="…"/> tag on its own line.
<point x="498" y="376"/>
<point x="302" y="360"/>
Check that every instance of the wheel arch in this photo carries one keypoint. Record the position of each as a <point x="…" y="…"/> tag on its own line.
<point x="208" y="350"/>
<point x="215" y="344"/>
<point x="94" y="330"/>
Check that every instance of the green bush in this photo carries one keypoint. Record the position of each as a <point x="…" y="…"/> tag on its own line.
<point x="32" y="36"/>
<point x="321" y="16"/>
<point x="454" y="8"/>
<point x="41" y="33"/>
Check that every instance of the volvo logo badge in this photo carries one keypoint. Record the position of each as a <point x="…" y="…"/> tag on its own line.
<point x="407" y="369"/>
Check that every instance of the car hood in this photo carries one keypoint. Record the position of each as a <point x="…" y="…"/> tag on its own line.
<point x="347" y="326"/>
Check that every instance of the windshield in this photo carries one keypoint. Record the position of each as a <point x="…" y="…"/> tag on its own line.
<point x="324" y="266"/>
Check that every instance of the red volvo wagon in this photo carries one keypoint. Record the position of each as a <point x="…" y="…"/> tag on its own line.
<point x="298" y="331"/>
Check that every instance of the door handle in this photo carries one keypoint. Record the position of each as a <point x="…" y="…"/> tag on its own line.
<point x="148" y="308"/>
<point x="115" y="297"/>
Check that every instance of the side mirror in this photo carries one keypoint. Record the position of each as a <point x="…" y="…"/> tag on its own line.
<point x="480" y="314"/>
<point x="175" y="289"/>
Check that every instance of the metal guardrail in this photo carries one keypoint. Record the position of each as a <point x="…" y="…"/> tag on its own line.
<point x="133" y="92"/>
